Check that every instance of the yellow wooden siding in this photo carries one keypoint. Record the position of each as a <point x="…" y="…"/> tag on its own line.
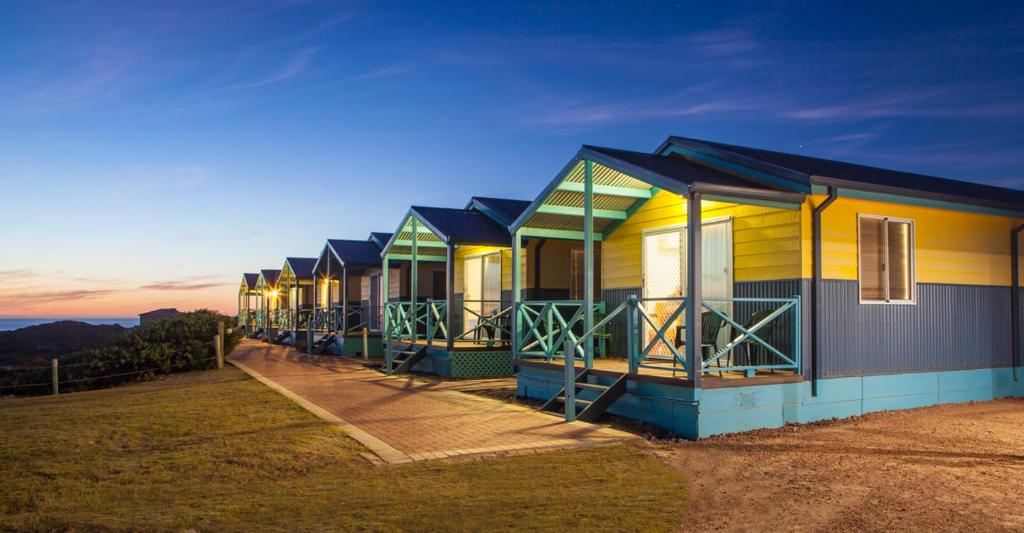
<point x="462" y="252"/>
<point x="950" y="246"/>
<point x="766" y="241"/>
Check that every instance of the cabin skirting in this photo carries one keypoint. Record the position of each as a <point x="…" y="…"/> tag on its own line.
<point x="466" y="363"/>
<point x="734" y="409"/>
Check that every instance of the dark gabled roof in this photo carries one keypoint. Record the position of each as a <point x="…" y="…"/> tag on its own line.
<point x="250" y="280"/>
<point x="463" y="226"/>
<point x="502" y="210"/>
<point x="271" y="276"/>
<point x="677" y="169"/>
<point x="302" y="267"/>
<point x="356" y="253"/>
<point x="380" y="238"/>
<point x="871" y="178"/>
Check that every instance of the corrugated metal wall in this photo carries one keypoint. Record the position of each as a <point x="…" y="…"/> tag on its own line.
<point x="952" y="327"/>
<point x="786" y="288"/>
<point x="617" y="327"/>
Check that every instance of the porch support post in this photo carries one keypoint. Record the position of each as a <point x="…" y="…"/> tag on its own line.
<point x="298" y="305"/>
<point x="414" y="279"/>
<point x="449" y="294"/>
<point x="694" y="295"/>
<point x="1015" y="299"/>
<point x="517" y="290"/>
<point x="384" y="287"/>
<point x="588" y="258"/>
<point x="344" y="300"/>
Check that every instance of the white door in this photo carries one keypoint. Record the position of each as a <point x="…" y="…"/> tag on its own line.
<point x="664" y="273"/>
<point x="481" y="292"/>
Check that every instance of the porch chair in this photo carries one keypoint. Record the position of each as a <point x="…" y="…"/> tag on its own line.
<point x="774" y="334"/>
<point x="711" y="327"/>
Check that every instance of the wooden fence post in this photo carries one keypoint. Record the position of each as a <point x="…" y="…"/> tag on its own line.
<point x="366" y="344"/>
<point x="56" y="375"/>
<point x="220" y="345"/>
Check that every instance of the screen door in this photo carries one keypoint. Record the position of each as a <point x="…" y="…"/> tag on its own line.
<point x="664" y="274"/>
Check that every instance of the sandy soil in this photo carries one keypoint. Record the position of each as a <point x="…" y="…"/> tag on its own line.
<point x="948" y="468"/>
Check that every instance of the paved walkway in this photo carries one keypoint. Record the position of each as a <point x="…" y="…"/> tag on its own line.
<point x="402" y="419"/>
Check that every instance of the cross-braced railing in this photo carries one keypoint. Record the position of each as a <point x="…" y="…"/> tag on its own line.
<point x="546" y="325"/>
<point x="409" y="321"/>
<point x="492" y="323"/>
<point x="282" y="319"/>
<point x="746" y="335"/>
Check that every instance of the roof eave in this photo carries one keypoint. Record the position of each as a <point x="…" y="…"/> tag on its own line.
<point x="1008" y="207"/>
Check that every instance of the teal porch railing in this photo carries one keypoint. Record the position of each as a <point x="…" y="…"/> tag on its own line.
<point x="409" y="322"/>
<point x="744" y="335"/>
<point x="412" y="321"/>
<point x="491" y="323"/>
<point x="547" y="325"/>
<point x="282" y="319"/>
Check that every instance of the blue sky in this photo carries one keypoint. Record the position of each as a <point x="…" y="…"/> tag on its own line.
<point x="152" y="152"/>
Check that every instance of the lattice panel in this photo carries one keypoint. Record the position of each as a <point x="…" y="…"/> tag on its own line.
<point x="481" y="364"/>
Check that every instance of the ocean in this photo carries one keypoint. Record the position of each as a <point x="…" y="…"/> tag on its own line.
<point x="8" y="324"/>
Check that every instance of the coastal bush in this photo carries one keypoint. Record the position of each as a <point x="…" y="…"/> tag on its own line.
<point x="177" y="344"/>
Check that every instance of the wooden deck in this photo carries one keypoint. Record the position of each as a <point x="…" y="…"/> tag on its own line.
<point x="615" y="366"/>
<point x="463" y="346"/>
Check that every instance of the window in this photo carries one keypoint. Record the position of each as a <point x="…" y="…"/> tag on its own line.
<point x="886" y="259"/>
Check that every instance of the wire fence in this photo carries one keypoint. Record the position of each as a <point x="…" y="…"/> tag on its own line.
<point x="163" y="368"/>
<point x="77" y="375"/>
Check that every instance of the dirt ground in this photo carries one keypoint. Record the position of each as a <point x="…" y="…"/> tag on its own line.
<point x="949" y="468"/>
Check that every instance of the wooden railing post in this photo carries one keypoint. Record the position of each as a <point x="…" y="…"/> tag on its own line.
<point x="631" y="338"/>
<point x="570" y="381"/>
<point x="366" y="344"/>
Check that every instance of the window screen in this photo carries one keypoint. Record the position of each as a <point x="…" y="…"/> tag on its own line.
<point x="886" y="259"/>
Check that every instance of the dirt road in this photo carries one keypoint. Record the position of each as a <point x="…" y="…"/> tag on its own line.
<point x="950" y="468"/>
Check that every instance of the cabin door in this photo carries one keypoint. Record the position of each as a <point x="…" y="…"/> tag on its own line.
<point x="481" y="294"/>
<point x="664" y="274"/>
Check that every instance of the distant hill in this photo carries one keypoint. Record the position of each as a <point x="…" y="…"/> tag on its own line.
<point x="36" y="344"/>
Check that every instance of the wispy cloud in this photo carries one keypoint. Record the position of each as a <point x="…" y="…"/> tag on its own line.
<point x="383" y="72"/>
<point x="295" y="65"/>
<point x="946" y="103"/>
<point x="182" y="286"/>
<point x="30" y="298"/>
<point x="190" y="283"/>
<point x="104" y="73"/>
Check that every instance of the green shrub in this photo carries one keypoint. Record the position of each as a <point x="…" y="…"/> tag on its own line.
<point x="177" y="344"/>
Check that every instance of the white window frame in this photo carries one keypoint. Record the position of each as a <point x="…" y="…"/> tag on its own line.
<point x="885" y="248"/>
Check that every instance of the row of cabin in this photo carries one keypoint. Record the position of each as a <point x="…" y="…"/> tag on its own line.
<point x="810" y="289"/>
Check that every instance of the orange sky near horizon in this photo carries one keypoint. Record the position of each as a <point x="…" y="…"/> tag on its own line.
<point x="93" y="300"/>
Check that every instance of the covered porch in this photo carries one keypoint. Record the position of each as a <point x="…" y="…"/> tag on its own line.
<point x="457" y="324"/>
<point x="268" y="303"/>
<point x="248" y="302"/>
<point x="295" y="312"/>
<point x="347" y="316"/>
<point x="672" y="318"/>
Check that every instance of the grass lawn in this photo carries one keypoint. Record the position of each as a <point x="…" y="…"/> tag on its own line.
<point x="216" y="450"/>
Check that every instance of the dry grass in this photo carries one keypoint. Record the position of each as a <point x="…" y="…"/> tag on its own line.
<point x="217" y="451"/>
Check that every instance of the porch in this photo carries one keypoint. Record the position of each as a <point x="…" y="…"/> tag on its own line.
<point x="673" y="319"/>
<point x="430" y="327"/>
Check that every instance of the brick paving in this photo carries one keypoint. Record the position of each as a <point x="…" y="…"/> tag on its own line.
<point x="402" y="419"/>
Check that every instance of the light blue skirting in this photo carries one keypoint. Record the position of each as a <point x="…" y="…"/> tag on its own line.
<point x="734" y="409"/>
